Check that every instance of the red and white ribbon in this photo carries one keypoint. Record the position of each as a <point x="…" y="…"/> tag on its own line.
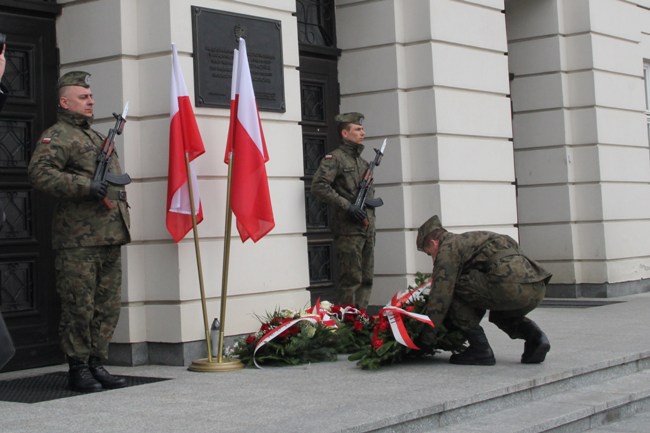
<point x="314" y="319"/>
<point x="325" y="318"/>
<point x="316" y="315"/>
<point x="410" y="295"/>
<point x="394" y="313"/>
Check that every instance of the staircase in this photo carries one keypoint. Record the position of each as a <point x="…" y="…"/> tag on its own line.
<point x="573" y="401"/>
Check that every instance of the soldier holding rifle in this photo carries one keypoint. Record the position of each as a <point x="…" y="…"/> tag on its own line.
<point x="344" y="181"/>
<point x="90" y="224"/>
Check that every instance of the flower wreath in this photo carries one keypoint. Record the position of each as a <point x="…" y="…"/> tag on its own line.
<point x="396" y="330"/>
<point x="321" y="332"/>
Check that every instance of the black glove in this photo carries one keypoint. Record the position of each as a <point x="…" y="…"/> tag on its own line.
<point x="98" y="189"/>
<point x="356" y="213"/>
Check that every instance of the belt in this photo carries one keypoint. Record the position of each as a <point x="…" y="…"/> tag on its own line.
<point x="116" y="195"/>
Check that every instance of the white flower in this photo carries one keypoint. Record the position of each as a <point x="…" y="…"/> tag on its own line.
<point x="326" y="305"/>
<point x="310" y="331"/>
<point x="287" y="313"/>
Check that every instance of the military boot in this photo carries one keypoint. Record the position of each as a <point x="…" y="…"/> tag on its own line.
<point x="107" y="380"/>
<point x="536" y="346"/>
<point x="478" y="352"/>
<point x="80" y="378"/>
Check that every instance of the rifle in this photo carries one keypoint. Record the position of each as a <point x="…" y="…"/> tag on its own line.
<point x="366" y="182"/>
<point x="104" y="157"/>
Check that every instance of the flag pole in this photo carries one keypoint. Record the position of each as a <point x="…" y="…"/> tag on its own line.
<point x="226" y="263"/>
<point x="198" y="255"/>
<point x="197" y="249"/>
<point x="221" y="364"/>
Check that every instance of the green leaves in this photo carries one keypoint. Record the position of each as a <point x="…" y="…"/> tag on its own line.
<point x="369" y="341"/>
<point x="304" y="341"/>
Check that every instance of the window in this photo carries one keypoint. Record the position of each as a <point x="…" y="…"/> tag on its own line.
<point x="316" y="25"/>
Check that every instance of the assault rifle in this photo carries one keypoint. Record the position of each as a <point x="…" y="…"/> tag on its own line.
<point x="104" y="158"/>
<point x="366" y="182"/>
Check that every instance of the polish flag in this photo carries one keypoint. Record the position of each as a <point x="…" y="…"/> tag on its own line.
<point x="184" y="139"/>
<point x="250" y="200"/>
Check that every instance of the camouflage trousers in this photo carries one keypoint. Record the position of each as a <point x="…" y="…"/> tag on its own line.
<point x="356" y="265"/>
<point x="88" y="281"/>
<point x="507" y="301"/>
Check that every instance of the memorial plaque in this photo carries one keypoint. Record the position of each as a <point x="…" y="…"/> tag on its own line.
<point x="216" y="35"/>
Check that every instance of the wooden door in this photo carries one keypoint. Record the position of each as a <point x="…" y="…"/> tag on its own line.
<point x="28" y="299"/>
<point x="319" y="91"/>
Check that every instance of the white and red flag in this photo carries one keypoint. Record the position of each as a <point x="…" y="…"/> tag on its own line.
<point x="250" y="199"/>
<point x="184" y="138"/>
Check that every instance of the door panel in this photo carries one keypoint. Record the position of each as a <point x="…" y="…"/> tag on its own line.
<point x="27" y="292"/>
<point x="319" y="97"/>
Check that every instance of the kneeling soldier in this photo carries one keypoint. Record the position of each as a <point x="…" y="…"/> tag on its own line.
<point x="478" y="271"/>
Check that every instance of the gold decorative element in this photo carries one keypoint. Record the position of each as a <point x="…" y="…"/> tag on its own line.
<point x="205" y="365"/>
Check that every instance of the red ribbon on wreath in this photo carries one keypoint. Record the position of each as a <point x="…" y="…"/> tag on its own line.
<point x="316" y="315"/>
<point x="394" y="313"/>
<point x="270" y="335"/>
<point x="324" y="315"/>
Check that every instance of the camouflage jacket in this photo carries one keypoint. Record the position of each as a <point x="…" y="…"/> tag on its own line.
<point x="495" y="255"/>
<point x="336" y="182"/>
<point x="62" y="166"/>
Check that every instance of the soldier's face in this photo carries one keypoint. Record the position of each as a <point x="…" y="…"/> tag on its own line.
<point x="432" y="248"/>
<point x="78" y="100"/>
<point x="355" y="133"/>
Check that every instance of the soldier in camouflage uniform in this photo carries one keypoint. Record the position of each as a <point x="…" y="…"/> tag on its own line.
<point x="478" y="271"/>
<point x="336" y="182"/>
<point x="86" y="234"/>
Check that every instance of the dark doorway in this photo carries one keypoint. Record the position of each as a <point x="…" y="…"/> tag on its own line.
<point x="27" y="292"/>
<point x="320" y="97"/>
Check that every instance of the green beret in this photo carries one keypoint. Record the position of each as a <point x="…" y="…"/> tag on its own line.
<point x="349" y="118"/>
<point x="75" y="78"/>
<point x="432" y="224"/>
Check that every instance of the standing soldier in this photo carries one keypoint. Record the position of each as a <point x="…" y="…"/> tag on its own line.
<point x="336" y="182"/>
<point x="478" y="271"/>
<point x="86" y="234"/>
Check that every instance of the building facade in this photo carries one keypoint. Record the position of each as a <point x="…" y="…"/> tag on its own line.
<point x="525" y="117"/>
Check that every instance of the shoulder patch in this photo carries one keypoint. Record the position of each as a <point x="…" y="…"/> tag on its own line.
<point x="46" y="140"/>
<point x="328" y="156"/>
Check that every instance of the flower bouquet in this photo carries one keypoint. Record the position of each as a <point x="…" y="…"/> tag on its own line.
<point x="398" y="325"/>
<point x="353" y="326"/>
<point x="319" y="333"/>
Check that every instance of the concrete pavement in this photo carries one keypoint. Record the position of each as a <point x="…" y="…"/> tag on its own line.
<point x="588" y="346"/>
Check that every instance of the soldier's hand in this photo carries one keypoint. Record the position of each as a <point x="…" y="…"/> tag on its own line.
<point x="357" y="213"/>
<point x="98" y="189"/>
<point x="426" y="341"/>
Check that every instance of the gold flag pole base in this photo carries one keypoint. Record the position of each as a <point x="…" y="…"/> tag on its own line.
<point x="204" y="365"/>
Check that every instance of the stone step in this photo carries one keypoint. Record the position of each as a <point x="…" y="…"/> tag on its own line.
<point x="571" y="411"/>
<point x="571" y="401"/>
